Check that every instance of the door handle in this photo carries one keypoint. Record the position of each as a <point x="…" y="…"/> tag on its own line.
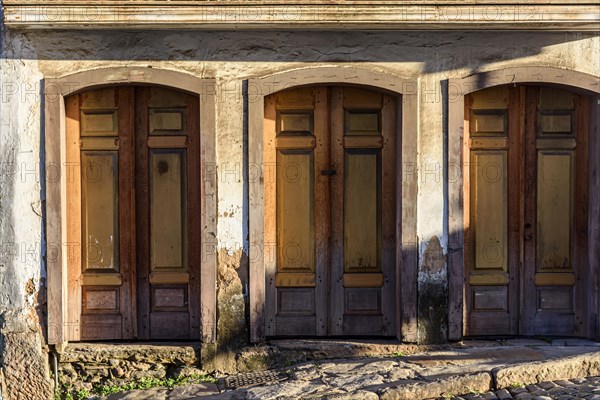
<point x="328" y="172"/>
<point x="527" y="236"/>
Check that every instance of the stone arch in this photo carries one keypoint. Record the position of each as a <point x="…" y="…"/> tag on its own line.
<point x="55" y="92"/>
<point x="406" y="254"/>
<point x="575" y="81"/>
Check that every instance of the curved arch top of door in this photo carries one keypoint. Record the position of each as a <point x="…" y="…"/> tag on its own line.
<point x="577" y="82"/>
<point x="406" y="189"/>
<point x="55" y="92"/>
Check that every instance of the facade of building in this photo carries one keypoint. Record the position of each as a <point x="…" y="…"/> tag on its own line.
<point x="226" y="173"/>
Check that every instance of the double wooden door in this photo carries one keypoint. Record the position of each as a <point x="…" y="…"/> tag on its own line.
<point x="133" y="214"/>
<point x="330" y="212"/>
<point x="526" y="201"/>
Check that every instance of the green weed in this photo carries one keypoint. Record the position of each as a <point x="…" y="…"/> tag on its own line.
<point x="144" y="383"/>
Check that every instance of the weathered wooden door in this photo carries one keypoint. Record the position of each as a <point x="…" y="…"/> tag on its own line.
<point x="526" y="199"/>
<point x="555" y="213"/>
<point x="330" y="212"/>
<point x="133" y="214"/>
<point x="168" y="214"/>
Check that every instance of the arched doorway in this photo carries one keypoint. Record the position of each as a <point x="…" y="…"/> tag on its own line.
<point x="524" y="90"/>
<point x="329" y="192"/>
<point x="117" y="141"/>
<point x="334" y="298"/>
<point x="133" y="203"/>
<point x="526" y="211"/>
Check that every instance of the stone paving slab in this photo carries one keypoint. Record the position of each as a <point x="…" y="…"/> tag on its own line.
<point x="178" y="393"/>
<point x="492" y="371"/>
<point x="582" y="365"/>
<point x="572" y="389"/>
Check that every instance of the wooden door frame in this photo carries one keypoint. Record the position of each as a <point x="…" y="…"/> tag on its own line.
<point x="406" y="189"/>
<point x="458" y="88"/>
<point x="55" y="92"/>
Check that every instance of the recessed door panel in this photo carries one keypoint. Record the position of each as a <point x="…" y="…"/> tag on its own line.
<point x="295" y="211"/>
<point x="168" y="206"/>
<point x="100" y="210"/>
<point x="555" y="184"/>
<point x="362" y="230"/>
<point x="489" y="217"/>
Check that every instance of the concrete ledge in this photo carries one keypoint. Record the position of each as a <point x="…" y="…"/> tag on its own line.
<point x="579" y="366"/>
<point x="453" y="385"/>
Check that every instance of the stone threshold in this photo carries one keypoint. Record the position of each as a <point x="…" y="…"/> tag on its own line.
<point x="185" y="353"/>
<point x="315" y="349"/>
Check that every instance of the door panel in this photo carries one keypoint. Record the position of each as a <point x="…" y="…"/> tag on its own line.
<point x="295" y="211"/>
<point x="489" y="215"/>
<point x="290" y="213"/>
<point x="362" y="229"/>
<point x="491" y="209"/>
<point x="553" y="261"/>
<point x="99" y="214"/>
<point x="100" y="211"/>
<point x="167" y="210"/>
<point x="168" y="207"/>
<point x="528" y="229"/>
<point x="555" y="186"/>
<point x="359" y="276"/>
<point x="133" y="152"/>
<point x="323" y="212"/>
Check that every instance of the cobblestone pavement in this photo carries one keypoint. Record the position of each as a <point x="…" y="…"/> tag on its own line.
<point x="418" y="376"/>
<point x="584" y="388"/>
<point x="573" y="389"/>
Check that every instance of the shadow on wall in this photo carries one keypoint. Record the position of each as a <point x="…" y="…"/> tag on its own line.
<point x="434" y="51"/>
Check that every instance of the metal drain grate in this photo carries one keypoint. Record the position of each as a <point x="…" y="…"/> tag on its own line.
<point x="251" y="379"/>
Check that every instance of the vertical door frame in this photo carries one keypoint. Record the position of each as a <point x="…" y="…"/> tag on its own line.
<point x="55" y="92"/>
<point x="579" y="82"/>
<point x="406" y="189"/>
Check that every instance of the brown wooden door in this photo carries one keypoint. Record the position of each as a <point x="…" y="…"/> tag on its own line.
<point x="525" y="212"/>
<point x="101" y="265"/>
<point x="133" y="204"/>
<point x="330" y="212"/>
<point x="168" y="214"/>
<point x="555" y="213"/>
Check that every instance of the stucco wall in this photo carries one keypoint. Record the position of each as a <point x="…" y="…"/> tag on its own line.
<point x="230" y="57"/>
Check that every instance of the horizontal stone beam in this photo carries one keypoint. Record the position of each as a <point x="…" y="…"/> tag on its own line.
<point x="155" y="14"/>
